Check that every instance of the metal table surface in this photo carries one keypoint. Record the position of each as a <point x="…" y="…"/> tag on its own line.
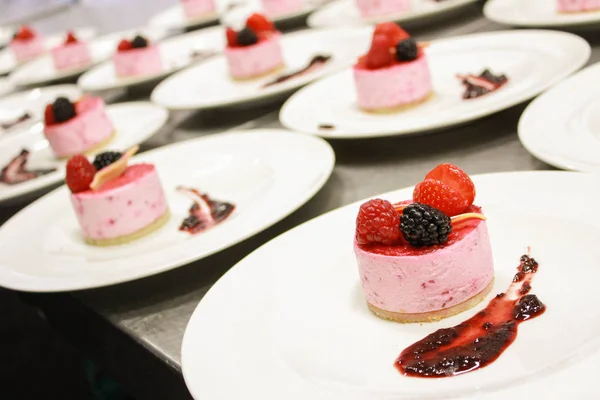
<point x="137" y="328"/>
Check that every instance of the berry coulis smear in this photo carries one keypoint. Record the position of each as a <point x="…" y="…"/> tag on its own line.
<point x="316" y="62"/>
<point x="480" y="340"/>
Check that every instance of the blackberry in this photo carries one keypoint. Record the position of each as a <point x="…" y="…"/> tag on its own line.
<point x="103" y="160"/>
<point x="247" y="37"/>
<point x="139" y="42"/>
<point x="423" y="225"/>
<point x="63" y="109"/>
<point x="407" y="50"/>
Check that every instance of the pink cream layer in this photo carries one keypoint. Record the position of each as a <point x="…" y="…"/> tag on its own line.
<point x="123" y="206"/>
<point x="567" y="6"/>
<point x="255" y="60"/>
<point x="394" y="86"/>
<point x="71" y="55"/>
<point x="25" y="50"/>
<point x="138" y="62"/>
<point x="419" y="282"/>
<point x="279" y="7"/>
<point x="374" y="8"/>
<point x="88" y="128"/>
<point x="197" y="8"/>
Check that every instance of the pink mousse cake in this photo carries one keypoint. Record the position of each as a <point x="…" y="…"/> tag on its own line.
<point x="80" y="127"/>
<point x="280" y="7"/>
<point x="574" y="6"/>
<point x="197" y="8"/>
<point x="394" y="73"/>
<point x="376" y="8"/>
<point x="71" y="54"/>
<point x="27" y="44"/>
<point x="418" y="264"/>
<point x="137" y="57"/>
<point x="255" y="50"/>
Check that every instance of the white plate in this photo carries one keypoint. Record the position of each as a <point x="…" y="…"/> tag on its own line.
<point x="267" y="174"/>
<point x="174" y="18"/>
<point x="562" y="126"/>
<point x="536" y="13"/>
<point x="6" y="35"/>
<point x="5" y="86"/>
<point x="533" y="61"/>
<point x="134" y="123"/>
<point x="209" y="84"/>
<point x="345" y="13"/>
<point x="8" y="62"/>
<point x="290" y="320"/>
<point x="176" y="54"/>
<point x="41" y="70"/>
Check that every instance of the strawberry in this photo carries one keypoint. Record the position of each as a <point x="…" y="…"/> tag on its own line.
<point x="80" y="174"/>
<point x="441" y="196"/>
<point x="380" y="54"/>
<point x="394" y="33"/>
<point x="49" y="115"/>
<point x="259" y="23"/>
<point x="231" y="37"/>
<point x="124" y="45"/>
<point x="456" y="178"/>
<point x="71" y="38"/>
<point x="25" y="33"/>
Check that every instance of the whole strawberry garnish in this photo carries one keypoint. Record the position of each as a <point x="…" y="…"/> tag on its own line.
<point x="259" y="23"/>
<point x="456" y="178"/>
<point x="441" y="196"/>
<point x="380" y="54"/>
<point x="377" y="222"/>
<point x="80" y="174"/>
<point x="71" y="39"/>
<point x="231" y="37"/>
<point x="394" y="33"/>
<point x="124" y="45"/>
<point x="49" y="115"/>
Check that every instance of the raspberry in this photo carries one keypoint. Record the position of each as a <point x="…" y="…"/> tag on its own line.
<point x="394" y="33"/>
<point x="70" y="38"/>
<point x="80" y="174"/>
<point x="49" y="115"/>
<point x="25" y="33"/>
<point x="377" y="222"/>
<point x="231" y="37"/>
<point x="456" y="178"/>
<point x="380" y="54"/>
<point x="124" y="45"/>
<point x="259" y="23"/>
<point x="441" y="196"/>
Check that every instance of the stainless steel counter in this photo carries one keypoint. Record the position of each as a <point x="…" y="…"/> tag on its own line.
<point x="155" y="311"/>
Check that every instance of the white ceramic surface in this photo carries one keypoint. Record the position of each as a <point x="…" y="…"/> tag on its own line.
<point x="537" y="13"/>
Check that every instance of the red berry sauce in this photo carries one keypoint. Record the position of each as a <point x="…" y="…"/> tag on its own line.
<point x="204" y="213"/>
<point x="480" y="340"/>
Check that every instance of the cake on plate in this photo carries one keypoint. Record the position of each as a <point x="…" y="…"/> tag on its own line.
<point x="80" y="127"/>
<point x="394" y="74"/>
<point x="137" y="57"/>
<point x="198" y="8"/>
<point x="275" y="8"/>
<point x="425" y="259"/>
<point x="72" y="53"/>
<point x="114" y="202"/>
<point x="255" y="50"/>
<point x="27" y="44"/>
<point x="378" y="8"/>
<point x="576" y="6"/>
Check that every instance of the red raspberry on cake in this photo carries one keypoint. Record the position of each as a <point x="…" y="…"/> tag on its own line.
<point x="447" y="188"/>
<point x="80" y="174"/>
<point x="377" y="222"/>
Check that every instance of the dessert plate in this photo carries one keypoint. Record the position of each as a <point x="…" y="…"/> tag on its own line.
<point x="6" y="35"/>
<point x="5" y="86"/>
<point x="239" y="167"/>
<point x="134" y="123"/>
<point x="8" y="62"/>
<point x="174" y="18"/>
<point x="532" y="60"/>
<point x="536" y="13"/>
<point x="177" y="53"/>
<point x="562" y="133"/>
<point x="41" y="70"/>
<point x="345" y="13"/>
<point x="209" y="84"/>
<point x="290" y="321"/>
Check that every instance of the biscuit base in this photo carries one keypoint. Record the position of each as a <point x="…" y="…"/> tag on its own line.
<point x="402" y="107"/>
<point x="140" y="233"/>
<point x="578" y="12"/>
<point x="94" y="149"/>
<point x="274" y="70"/>
<point x="432" y="316"/>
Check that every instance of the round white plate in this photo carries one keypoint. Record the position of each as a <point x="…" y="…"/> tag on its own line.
<point x="41" y="70"/>
<point x="5" y="86"/>
<point x="176" y="53"/>
<point x="174" y="18"/>
<point x="267" y="174"/>
<point x="562" y="126"/>
<point x="345" y="13"/>
<point x="533" y="61"/>
<point x="8" y="62"/>
<point x="209" y="84"/>
<point x="6" y="35"/>
<point x="536" y="13"/>
<point x="290" y="320"/>
<point x="134" y="123"/>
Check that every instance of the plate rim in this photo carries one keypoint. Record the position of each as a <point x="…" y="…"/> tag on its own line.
<point x="488" y="14"/>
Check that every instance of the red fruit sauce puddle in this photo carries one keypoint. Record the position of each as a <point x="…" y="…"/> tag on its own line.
<point x="480" y="340"/>
<point x="316" y="62"/>
<point x="204" y="213"/>
<point x="16" y="170"/>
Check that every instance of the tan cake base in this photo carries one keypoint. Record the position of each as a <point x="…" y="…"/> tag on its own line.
<point x="96" y="148"/>
<point x="148" y="229"/>
<point x="578" y="12"/>
<point x="278" y="68"/>
<point x="403" y="107"/>
<point x="433" y="315"/>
